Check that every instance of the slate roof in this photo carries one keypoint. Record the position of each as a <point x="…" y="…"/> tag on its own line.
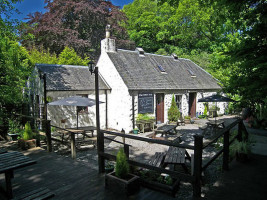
<point x="69" y="77"/>
<point x="142" y="72"/>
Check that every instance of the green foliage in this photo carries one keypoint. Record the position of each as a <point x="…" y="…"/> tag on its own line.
<point x="205" y="109"/>
<point x="27" y="134"/>
<point x="155" y="176"/>
<point x="13" y="126"/>
<point x="173" y="112"/>
<point x="67" y="57"/>
<point x="122" y="166"/>
<point x="144" y="116"/>
<point x="187" y="117"/>
<point x="240" y="147"/>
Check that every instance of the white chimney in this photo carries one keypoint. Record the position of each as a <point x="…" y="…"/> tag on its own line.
<point x="108" y="44"/>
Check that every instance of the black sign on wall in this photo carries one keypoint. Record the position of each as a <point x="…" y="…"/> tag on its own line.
<point x="145" y="103"/>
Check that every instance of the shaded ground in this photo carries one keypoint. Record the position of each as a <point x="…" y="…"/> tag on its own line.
<point x="75" y="181"/>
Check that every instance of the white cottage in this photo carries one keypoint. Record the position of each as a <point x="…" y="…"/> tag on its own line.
<point x="64" y="81"/>
<point x="143" y="82"/>
<point x="131" y="82"/>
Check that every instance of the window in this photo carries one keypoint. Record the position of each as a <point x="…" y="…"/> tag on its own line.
<point x="82" y="109"/>
<point x="178" y="100"/>
<point x="161" y="68"/>
<point x="193" y="75"/>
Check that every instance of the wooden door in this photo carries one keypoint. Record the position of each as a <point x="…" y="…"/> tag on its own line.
<point x="160" y="108"/>
<point x="192" y="104"/>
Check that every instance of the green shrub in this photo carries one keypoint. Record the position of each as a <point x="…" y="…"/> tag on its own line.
<point x="144" y="116"/>
<point x="27" y="134"/>
<point x="122" y="166"/>
<point x="173" y="112"/>
<point x="205" y="109"/>
<point x="187" y="117"/>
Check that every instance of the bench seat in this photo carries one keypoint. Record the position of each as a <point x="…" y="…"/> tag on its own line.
<point x="157" y="159"/>
<point x="40" y="194"/>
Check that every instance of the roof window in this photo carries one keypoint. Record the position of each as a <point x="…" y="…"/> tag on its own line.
<point x="193" y="75"/>
<point x="161" y="69"/>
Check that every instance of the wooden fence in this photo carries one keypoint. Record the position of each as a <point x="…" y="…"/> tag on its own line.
<point x="198" y="167"/>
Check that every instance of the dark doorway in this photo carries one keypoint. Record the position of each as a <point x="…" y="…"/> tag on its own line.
<point x="160" y="108"/>
<point x="192" y="104"/>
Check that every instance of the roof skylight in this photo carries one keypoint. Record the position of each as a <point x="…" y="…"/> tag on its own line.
<point x="191" y="73"/>
<point x="161" y="68"/>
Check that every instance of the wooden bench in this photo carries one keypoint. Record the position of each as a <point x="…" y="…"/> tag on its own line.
<point x="177" y="156"/>
<point x="40" y="194"/>
<point x="157" y="159"/>
<point x="2" y="150"/>
<point x="166" y="129"/>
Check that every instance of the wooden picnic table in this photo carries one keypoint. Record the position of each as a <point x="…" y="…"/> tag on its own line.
<point x="142" y="123"/>
<point x="8" y="163"/>
<point x="176" y="156"/>
<point x="73" y="132"/>
<point x="216" y="123"/>
<point x="166" y="129"/>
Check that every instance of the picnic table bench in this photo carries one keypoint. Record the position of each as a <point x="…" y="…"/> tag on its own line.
<point x="8" y="163"/>
<point x="142" y="123"/>
<point x="177" y="156"/>
<point x="216" y="123"/>
<point x="166" y="129"/>
<point x="174" y="156"/>
<point x="2" y="150"/>
<point x="38" y="194"/>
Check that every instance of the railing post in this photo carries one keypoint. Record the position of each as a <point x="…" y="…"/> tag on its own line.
<point x="226" y="150"/>
<point x="198" y="144"/>
<point x="239" y="133"/>
<point x="48" y="135"/>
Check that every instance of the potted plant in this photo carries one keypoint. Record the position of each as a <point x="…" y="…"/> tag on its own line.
<point x="135" y="131"/>
<point x="14" y="130"/>
<point x="173" y="112"/>
<point x="121" y="181"/>
<point x="109" y="167"/>
<point x="159" y="182"/>
<point x="240" y="150"/>
<point x="27" y="140"/>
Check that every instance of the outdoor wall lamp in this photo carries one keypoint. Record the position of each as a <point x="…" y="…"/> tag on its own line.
<point x="91" y="66"/>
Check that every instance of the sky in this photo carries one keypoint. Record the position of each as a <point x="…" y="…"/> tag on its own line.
<point x="31" y="6"/>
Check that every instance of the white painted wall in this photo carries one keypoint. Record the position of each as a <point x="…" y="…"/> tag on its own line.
<point x="57" y="113"/>
<point x="119" y="99"/>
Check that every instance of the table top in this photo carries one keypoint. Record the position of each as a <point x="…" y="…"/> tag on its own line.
<point x="217" y="122"/>
<point x="175" y="155"/>
<point x="14" y="160"/>
<point x="165" y="128"/>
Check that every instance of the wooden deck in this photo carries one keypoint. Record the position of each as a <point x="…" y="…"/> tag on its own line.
<point x="67" y="179"/>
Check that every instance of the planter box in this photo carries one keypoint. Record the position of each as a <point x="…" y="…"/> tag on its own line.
<point x="121" y="186"/>
<point x="168" y="189"/>
<point x="27" y="144"/>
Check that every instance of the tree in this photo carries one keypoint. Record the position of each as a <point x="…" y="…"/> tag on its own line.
<point x="15" y="67"/>
<point x="67" y="57"/>
<point x="173" y="112"/>
<point x="246" y="50"/>
<point x="76" y="24"/>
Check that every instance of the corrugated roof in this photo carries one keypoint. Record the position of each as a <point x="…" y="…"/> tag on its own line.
<point x="143" y="73"/>
<point x="69" y="77"/>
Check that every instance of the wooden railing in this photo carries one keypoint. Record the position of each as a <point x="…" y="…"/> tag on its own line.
<point x="197" y="167"/>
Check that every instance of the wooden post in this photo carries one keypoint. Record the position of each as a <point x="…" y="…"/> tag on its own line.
<point x="133" y="111"/>
<point x="125" y="146"/>
<point x="226" y="146"/>
<point x="100" y="135"/>
<point x="48" y="135"/>
<point x="239" y="134"/>
<point x="72" y="145"/>
<point x="8" y="176"/>
<point x="45" y="97"/>
<point x="198" y="144"/>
